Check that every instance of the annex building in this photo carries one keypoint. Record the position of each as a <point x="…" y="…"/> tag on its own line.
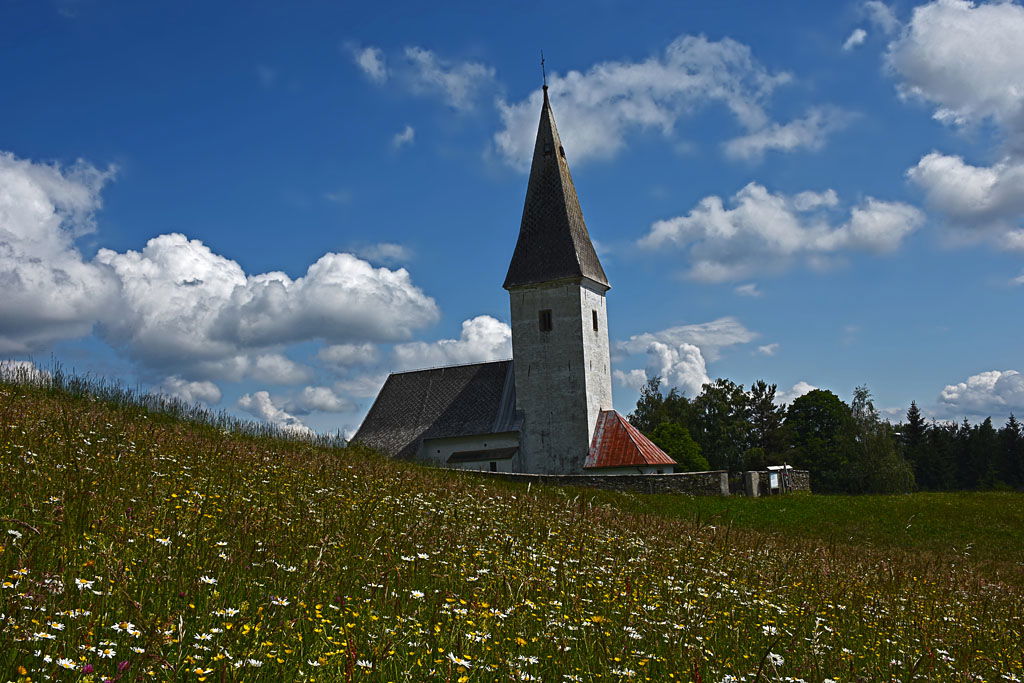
<point x="549" y="409"/>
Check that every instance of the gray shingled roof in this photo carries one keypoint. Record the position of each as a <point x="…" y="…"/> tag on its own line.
<point x="458" y="400"/>
<point x="553" y="239"/>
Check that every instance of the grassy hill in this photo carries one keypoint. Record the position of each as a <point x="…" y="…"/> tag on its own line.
<point x="141" y="546"/>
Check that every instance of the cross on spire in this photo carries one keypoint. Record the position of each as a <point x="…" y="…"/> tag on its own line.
<point x="543" y="73"/>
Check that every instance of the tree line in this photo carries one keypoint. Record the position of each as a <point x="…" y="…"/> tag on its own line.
<point x="846" y="447"/>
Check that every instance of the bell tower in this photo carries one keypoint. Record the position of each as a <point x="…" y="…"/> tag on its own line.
<point x="559" y="318"/>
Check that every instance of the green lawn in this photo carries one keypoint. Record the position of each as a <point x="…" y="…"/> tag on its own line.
<point x="136" y="546"/>
<point x="986" y="527"/>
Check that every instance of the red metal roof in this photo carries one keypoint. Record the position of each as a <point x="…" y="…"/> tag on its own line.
<point x="619" y="444"/>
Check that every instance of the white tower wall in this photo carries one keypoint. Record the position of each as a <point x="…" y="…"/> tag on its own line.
<point x="563" y="376"/>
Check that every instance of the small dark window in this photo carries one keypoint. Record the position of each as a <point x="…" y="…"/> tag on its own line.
<point x="595" y="320"/>
<point x="494" y="466"/>
<point x="545" y="320"/>
<point x="561" y="150"/>
<point x="547" y="149"/>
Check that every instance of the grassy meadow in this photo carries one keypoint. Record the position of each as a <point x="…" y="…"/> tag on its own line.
<point x="135" y="545"/>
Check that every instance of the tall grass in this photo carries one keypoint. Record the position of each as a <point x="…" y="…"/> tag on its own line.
<point x="57" y="380"/>
<point x="138" y="545"/>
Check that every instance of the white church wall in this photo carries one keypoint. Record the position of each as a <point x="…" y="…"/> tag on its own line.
<point x="437" y="451"/>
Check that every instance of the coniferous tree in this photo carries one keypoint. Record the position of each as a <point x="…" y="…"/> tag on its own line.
<point x="1011" y="465"/>
<point x="766" y="418"/>
<point x="913" y="435"/>
<point x="939" y="458"/>
<point x="983" y="450"/>
<point x="966" y="475"/>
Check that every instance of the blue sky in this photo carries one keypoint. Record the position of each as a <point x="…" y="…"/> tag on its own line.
<point x="269" y="209"/>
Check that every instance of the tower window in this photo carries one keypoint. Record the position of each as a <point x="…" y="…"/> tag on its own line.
<point x="494" y="466"/>
<point x="545" y="320"/>
<point x="595" y="320"/>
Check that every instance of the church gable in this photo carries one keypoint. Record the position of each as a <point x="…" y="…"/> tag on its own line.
<point x="439" y="403"/>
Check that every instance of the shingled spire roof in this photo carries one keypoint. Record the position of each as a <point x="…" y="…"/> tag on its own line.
<point x="553" y="239"/>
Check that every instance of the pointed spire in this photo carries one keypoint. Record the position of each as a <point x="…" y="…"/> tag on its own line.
<point x="553" y="239"/>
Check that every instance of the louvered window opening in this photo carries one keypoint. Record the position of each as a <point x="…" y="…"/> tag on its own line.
<point x="545" y="320"/>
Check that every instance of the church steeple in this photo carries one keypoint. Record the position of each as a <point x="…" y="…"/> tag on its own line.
<point x="553" y="239"/>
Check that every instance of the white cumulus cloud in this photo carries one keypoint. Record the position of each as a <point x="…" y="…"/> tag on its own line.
<point x="768" y="349"/>
<point x="483" y="338"/>
<point x="764" y="232"/>
<point x="186" y="306"/>
<point x="794" y="392"/>
<point x="996" y="392"/>
<point x="679" y="354"/>
<point x="371" y="61"/>
<point x="318" y="399"/>
<point x="190" y="392"/>
<point x="750" y="289"/>
<point x="986" y="201"/>
<point x="49" y="291"/>
<point x="808" y="132"/>
<point x="385" y="253"/>
<point x="459" y="83"/>
<point x="964" y="59"/>
<point x="856" y="38"/>
<point x="176" y="307"/>
<point x="882" y="16"/>
<point x="599" y="108"/>
<point x="405" y="137"/>
<point x="681" y="366"/>
<point x="260" y="405"/>
<point x="362" y="386"/>
<point x="342" y="357"/>
<point x="276" y="368"/>
<point x="710" y="337"/>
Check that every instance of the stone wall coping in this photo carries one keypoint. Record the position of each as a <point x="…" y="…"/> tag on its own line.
<point x="583" y="474"/>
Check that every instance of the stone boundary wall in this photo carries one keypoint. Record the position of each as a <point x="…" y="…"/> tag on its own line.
<point x="798" y="480"/>
<point x="715" y="483"/>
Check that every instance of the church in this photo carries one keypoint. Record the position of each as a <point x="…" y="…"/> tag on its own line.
<point x="549" y="409"/>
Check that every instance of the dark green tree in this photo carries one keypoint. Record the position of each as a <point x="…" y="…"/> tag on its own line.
<point x="983" y="453"/>
<point x="818" y="427"/>
<point x="939" y="457"/>
<point x="720" y="423"/>
<point x="875" y="463"/>
<point x="677" y="443"/>
<point x="654" y="408"/>
<point x="913" y="437"/>
<point x="966" y="472"/>
<point x="650" y="407"/>
<point x="766" y="438"/>
<point x="1011" y="465"/>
